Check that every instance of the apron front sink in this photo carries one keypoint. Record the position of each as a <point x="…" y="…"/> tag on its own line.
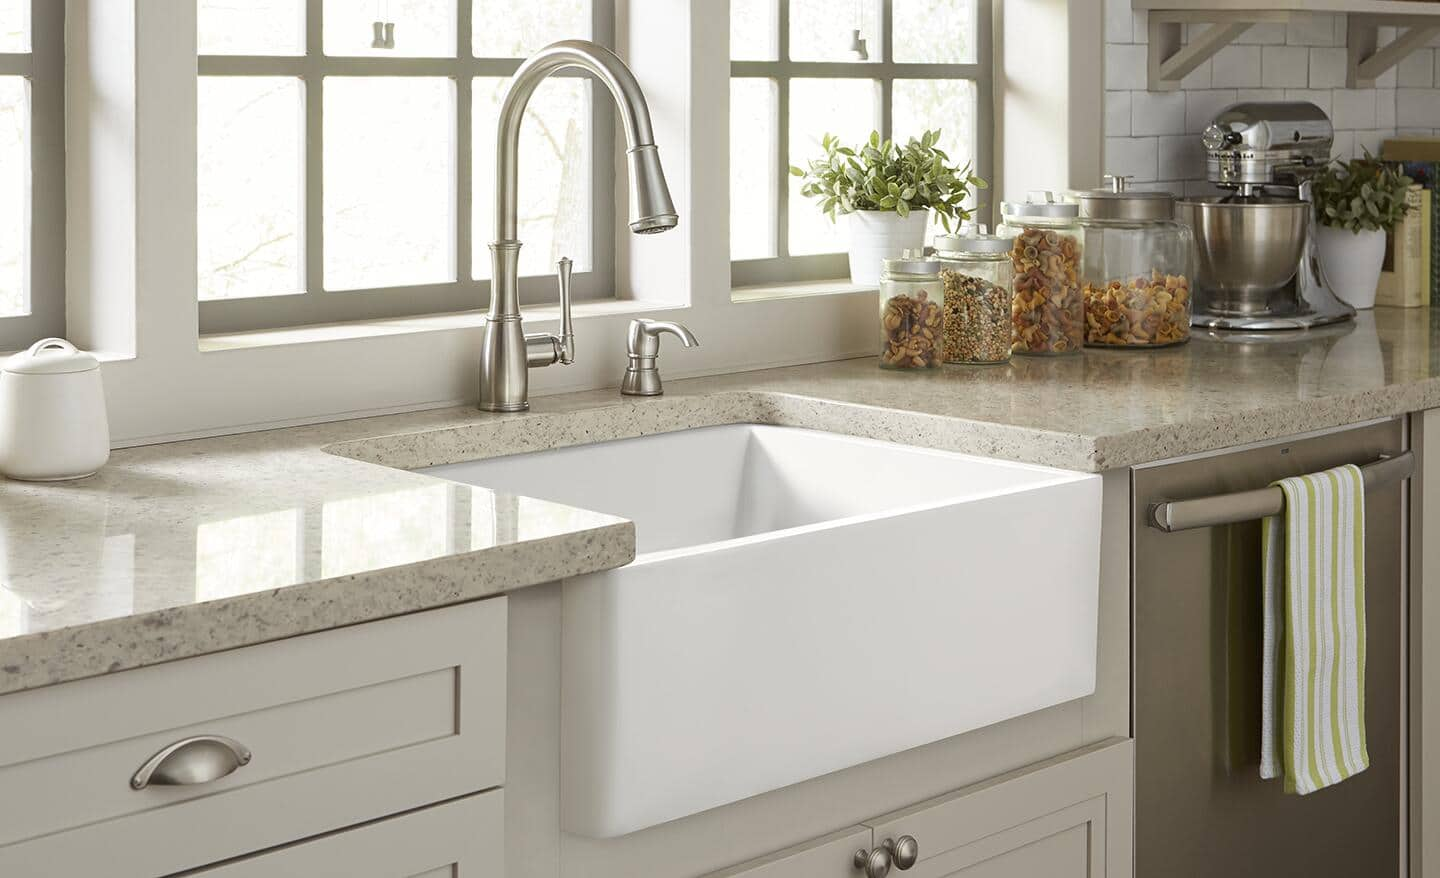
<point x="784" y="580"/>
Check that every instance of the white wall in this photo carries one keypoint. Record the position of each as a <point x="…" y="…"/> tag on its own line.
<point x="1047" y="111"/>
<point x="1154" y="136"/>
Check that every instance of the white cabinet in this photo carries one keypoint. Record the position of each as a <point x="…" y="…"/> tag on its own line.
<point x="1068" y="817"/>
<point x="459" y="839"/>
<point x="343" y="727"/>
<point x="831" y="856"/>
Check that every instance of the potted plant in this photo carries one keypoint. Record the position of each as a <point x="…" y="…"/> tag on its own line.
<point x="1357" y="202"/>
<point x="887" y="190"/>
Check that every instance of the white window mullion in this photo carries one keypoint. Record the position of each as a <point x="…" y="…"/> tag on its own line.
<point x="32" y="288"/>
<point x="464" y="149"/>
<point x="313" y="245"/>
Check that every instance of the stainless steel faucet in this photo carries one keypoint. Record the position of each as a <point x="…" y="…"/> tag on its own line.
<point x="642" y="376"/>
<point x="507" y="353"/>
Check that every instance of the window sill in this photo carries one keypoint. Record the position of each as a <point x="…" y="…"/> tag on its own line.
<point x="297" y="335"/>
<point x="797" y="290"/>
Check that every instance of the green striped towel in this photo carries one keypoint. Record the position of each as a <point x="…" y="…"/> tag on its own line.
<point x="1313" y="678"/>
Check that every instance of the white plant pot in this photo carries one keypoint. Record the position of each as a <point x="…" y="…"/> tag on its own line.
<point x="877" y="235"/>
<point x="1351" y="262"/>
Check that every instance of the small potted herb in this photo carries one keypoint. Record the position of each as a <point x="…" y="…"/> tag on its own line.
<point x="1357" y="202"/>
<point x="888" y="191"/>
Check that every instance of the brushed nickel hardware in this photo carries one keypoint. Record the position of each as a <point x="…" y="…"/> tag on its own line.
<point x="904" y="851"/>
<point x="1177" y="515"/>
<point x="191" y="761"/>
<point x="546" y="348"/>
<point x="642" y="376"/>
<point x="507" y="353"/>
<point x="874" y="863"/>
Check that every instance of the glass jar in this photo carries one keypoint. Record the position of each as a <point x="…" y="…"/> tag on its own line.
<point x="911" y="323"/>
<point x="1049" y="310"/>
<point x="976" y="274"/>
<point x="1137" y="268"/>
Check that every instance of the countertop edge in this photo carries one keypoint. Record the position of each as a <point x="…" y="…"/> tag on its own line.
<point x="142" y="640"/>
<point x="1138" y="447"/>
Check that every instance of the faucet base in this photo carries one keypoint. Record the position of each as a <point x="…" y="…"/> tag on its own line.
<point x="504" y="367"/>
<point x="500" y="407"/>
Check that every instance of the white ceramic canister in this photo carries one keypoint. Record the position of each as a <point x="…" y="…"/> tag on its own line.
<point x="52" y="413"/>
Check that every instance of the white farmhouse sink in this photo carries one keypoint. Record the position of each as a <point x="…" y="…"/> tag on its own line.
<point x="787" y="583"/>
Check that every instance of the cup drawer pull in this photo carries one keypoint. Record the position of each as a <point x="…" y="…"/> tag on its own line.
<point x="197" y="760"/>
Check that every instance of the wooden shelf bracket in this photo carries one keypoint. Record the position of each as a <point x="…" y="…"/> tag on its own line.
<point x="1171" y="58"/>
<point x="1368" y="60"/>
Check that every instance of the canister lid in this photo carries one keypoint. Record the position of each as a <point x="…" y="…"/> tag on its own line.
<point x="912" y="265"/>
<point x="913" y="261"/>
<point x="1041" y="203"/>
<point x="1120" y="202"/>
<point x="973" y="244"/>
<point x="50" y="356"/>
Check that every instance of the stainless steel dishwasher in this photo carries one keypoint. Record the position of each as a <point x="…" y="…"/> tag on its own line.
<point x="1201" y="808"/>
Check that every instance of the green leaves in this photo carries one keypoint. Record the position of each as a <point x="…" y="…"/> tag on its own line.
<point x="883" y="175"/>
<point x="1362" y="195"/>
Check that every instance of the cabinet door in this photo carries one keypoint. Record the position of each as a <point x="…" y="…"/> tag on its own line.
<point x="1069" y="817"/>
<point x="831" y="856"/>
<point x="464" y="838"/>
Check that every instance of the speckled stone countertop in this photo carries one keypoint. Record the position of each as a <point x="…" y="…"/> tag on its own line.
<point x="194" y="547"/>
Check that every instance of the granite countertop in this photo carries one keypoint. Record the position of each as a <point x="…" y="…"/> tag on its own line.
<point x="193" y="547"/>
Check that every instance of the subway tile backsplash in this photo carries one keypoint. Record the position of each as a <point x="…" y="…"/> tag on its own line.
<point x="1154" y="136"/>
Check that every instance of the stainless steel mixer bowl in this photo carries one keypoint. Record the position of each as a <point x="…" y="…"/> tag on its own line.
<point x="1247" y="249"/>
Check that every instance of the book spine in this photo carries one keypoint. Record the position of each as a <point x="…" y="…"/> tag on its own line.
<point x="1426" y="269"/>
<point x="1434" y="234"/>
<point x="1427" y="174"/>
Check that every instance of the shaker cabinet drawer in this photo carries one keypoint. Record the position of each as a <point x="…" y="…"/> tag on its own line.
<point x="459" y="839"/>
<point x="340" y="727"/>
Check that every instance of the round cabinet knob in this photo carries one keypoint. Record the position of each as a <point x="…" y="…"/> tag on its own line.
<point x="873" y="863"/>
<point x="904" y="851"/>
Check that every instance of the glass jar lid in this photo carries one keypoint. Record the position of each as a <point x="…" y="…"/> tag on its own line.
<point x="913" y="261"/>
<point x="1120" y="202"/>
<point x="1041" y="203"/>
<point x="973" y="245"/>
<point x="912" y="265"/>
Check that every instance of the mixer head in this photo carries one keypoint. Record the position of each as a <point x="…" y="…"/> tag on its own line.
<point x="1267" y="143"/>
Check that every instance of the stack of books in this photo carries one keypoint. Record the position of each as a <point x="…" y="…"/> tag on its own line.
<point x="1411" y="276"/>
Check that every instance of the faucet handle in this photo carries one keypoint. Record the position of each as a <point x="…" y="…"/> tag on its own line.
<point x="547" y="348"/>
<point x="567" y="328"/>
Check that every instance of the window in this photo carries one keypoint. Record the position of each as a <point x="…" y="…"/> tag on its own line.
<point x="345" y="155"/>
<point x="795" y="78"/>
<point x="32" y="171"/>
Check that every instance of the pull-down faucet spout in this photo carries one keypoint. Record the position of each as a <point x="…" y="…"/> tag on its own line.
<point x="506" y="350"/>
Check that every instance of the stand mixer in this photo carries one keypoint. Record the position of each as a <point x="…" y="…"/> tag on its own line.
<point x="1257" y="267"/>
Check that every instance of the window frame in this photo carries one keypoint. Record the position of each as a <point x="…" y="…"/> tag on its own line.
<point x="318" y="305"/>
<point x="786" y="268"/>
<point x="44" y="69"/>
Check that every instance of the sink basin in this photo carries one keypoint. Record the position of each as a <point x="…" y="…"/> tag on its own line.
<point x="802" y="602"/>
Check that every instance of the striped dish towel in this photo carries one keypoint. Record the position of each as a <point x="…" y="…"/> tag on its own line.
<point x="1313" y="702"/>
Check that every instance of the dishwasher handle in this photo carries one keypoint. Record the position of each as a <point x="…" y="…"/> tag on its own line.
<point x="1174" y="515"/>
